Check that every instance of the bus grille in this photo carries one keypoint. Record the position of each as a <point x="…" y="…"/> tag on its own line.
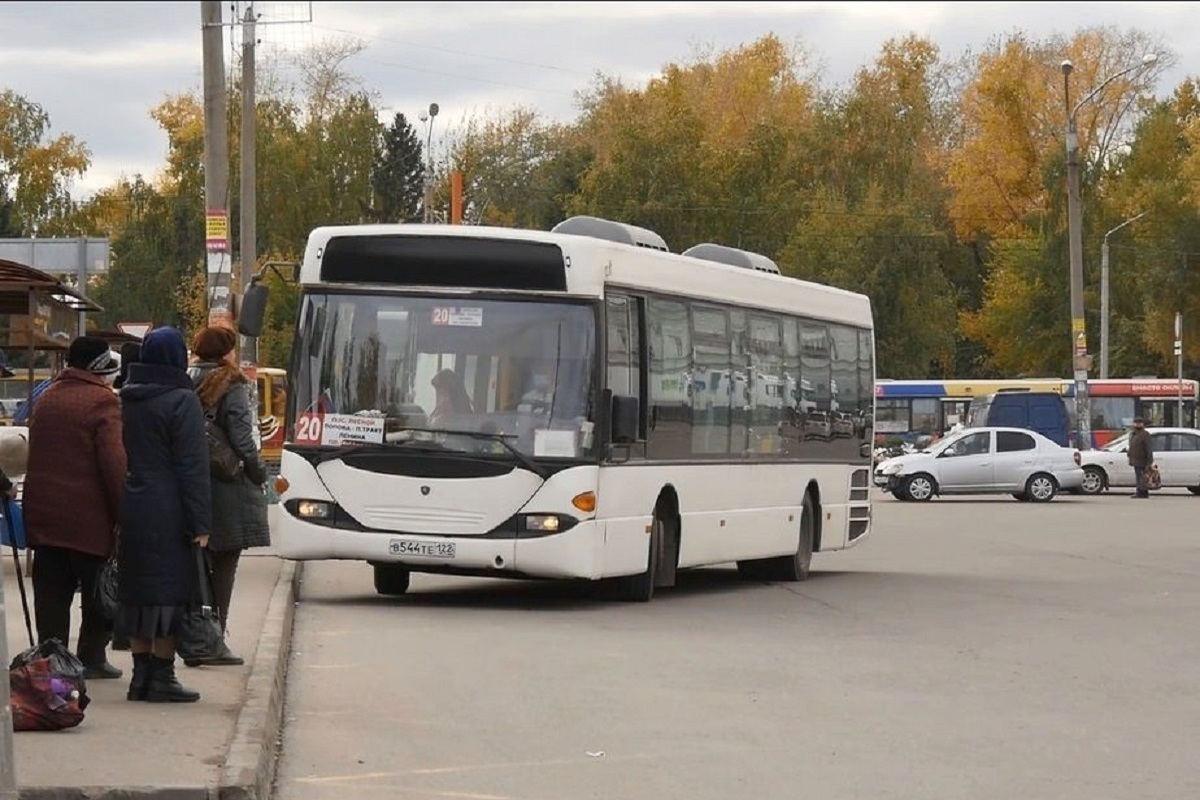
<point x="860" y="503"/>
<point x="418" y="519"/>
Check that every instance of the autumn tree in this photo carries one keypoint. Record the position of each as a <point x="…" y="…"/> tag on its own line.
<point x="1007" y="179"/>
<point x="518" y="169"/>
<point x="36" y="170"/>
<point x="882" y="249"/>
<point x="709" y="150"/>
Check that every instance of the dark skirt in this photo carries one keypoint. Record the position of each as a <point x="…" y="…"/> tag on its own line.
<point x="151" y="622"/>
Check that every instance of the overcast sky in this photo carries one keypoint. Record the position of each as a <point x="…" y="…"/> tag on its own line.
<point x="97" y="68"/>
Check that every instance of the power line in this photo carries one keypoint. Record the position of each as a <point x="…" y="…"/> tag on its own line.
<point x="452" y="51"/>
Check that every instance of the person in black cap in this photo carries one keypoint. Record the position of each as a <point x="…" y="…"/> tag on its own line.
<point x="72" y="498"/>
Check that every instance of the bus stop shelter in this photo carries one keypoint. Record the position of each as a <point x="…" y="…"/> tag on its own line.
<point x="38" y="314"/>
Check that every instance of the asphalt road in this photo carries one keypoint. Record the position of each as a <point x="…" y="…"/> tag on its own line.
<point x="971" y="648"/>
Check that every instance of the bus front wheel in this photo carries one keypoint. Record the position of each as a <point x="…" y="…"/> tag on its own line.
<point x="391" y="579"/>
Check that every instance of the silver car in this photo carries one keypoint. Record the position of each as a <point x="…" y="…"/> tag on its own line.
<point x="986" y="460"/>
<point x="1176" y="454"/>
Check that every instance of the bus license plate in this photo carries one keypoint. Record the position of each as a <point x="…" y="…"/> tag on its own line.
<point x="408" y="547"/>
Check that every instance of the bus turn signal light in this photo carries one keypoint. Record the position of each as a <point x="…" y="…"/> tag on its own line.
<point x="281" y="484"/>
<point x="585" y="502"/>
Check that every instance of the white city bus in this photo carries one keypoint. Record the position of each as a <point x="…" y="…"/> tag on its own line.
<point x="598" y="433"/>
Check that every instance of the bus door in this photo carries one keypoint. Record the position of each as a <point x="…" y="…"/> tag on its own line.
<point x="1163" y="412"/>
<point x="954" y="412"/>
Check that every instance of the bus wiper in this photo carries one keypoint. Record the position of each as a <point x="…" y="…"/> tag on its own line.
<point x="358" y="447"/>
<point x="501" y="438"/>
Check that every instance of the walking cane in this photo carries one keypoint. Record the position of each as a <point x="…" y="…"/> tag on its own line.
<point x="12" y="540"/>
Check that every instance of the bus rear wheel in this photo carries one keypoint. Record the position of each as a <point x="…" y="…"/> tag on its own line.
<point x="391" y="579"/>
<point x="790" y="568"/>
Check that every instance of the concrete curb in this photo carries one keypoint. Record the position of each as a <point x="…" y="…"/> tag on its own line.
<point x="249" y="770"/>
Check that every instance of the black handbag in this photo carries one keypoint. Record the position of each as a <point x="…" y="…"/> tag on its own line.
<point x="223" y="462"/>
<point x="107" y="597"/>
<point x="200" y="636"/>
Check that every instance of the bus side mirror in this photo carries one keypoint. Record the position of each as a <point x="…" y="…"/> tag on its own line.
<point x="253" y="311"/>
<point x="624" y="419"/>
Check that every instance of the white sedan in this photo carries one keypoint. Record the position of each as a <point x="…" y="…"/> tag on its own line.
<point x="988" y="460"/>
<point x="1176" y="454"/>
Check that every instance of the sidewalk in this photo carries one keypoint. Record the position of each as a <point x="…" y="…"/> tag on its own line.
<point x="221" y="747"/>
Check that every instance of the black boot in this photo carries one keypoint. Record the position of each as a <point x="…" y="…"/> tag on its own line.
<point x="140" y="682"/>
<point x="222" y="658"/>
<point x="164" y="686"/>
<point x="101" y="670"/>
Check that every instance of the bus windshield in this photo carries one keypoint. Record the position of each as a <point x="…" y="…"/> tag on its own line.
<point x="517" y="373"/>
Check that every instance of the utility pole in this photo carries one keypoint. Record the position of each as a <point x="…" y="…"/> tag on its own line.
<point x="247" y="225"/>
<point x="8" y="761"/>
<point x="1104" y="303"/>
<point x="216" y="165"/>
<point x="428" y="202"/>
<point x="1179" y="363"/>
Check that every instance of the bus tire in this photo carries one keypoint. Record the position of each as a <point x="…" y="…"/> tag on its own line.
<point x="791" y="568"/>
<point x="640" y="588"/>
<point x="391" y="580"/>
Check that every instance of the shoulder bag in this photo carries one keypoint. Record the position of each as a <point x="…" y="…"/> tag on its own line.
<point x="223" y="462"/>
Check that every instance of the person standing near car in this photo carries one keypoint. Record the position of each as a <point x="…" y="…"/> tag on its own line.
<point x="1141" y="456"/>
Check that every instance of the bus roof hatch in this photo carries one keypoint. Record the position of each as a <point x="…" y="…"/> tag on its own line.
<point x="733" y="257"/>
<point x="612" y="231"/>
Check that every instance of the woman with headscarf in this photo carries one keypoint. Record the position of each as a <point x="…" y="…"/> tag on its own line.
<point x="165" y="513"/>
<point x="240" y="505"/>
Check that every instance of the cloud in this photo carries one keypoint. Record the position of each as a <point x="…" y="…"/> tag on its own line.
<point x="98" y="68"/>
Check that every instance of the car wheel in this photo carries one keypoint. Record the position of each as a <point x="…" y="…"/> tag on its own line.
<point x="919" y="487"/>
<point x="899" y="495"/>
<point x="1021" y="496"/>
<point x="1094" y="481"/>
<point x="1194" y="489"/>
<point x="1041" y="487"/>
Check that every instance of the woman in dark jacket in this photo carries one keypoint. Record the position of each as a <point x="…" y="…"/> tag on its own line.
<point x="165" y="512"/>
<point x="239" y="506"/>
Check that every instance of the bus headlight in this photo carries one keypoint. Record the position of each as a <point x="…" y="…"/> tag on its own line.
<point x="314" y="509"/>
<point x="543" y="523"/>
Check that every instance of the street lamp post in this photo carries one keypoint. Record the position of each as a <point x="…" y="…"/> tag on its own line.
<point x="1104" y="294"/>
<point x="1079" y="351"/>
<point x="433" y="112"/>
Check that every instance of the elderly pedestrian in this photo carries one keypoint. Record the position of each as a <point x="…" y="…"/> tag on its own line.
<point x="166" y="514"/>
<point x="1141" y="456"/>
<point x="72" y="499"/>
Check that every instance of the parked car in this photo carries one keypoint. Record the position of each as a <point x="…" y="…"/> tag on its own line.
<point x="1176" y="454"/>
<point x="985" y="460"/>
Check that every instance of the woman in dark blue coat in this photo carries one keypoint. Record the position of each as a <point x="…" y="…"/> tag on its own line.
<point x="166" y="511"/>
